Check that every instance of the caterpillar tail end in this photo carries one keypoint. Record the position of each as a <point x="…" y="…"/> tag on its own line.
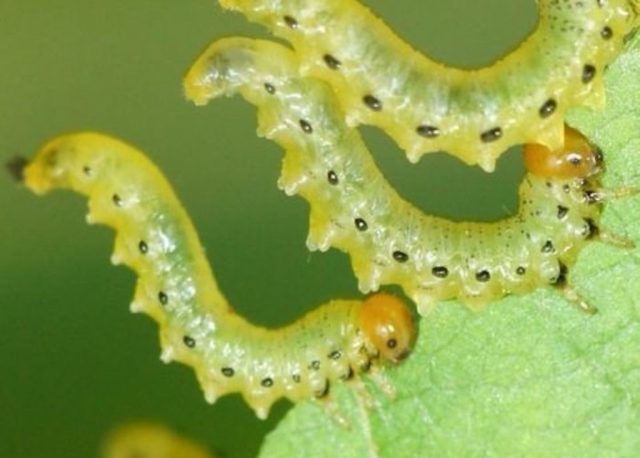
<point x="230" y="5"/>
<point x="197" y="90"/>
<point x="35" y="178"/>
<point x="214" y="72"/>
<point x="204" y="80"/>
<point x="16" y="166"/>
<point x="43" y="172"/>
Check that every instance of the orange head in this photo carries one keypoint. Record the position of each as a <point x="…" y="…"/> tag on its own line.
<point x="388" y="325"/>
<point x="576" y="159"/>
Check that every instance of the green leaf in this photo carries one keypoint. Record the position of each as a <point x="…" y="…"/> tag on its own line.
<point x="529" y="376"/>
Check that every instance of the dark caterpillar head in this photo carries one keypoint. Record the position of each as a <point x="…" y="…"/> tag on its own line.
<point x="388" y="325"/>
<point x="577" y="159"/>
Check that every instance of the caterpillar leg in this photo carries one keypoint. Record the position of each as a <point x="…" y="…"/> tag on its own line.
<point x="362" y="395"/>
<point x="605" y="194"/>
<point x="333" y="411"/>
<point x="383" y="383"/>
<point x="575" y="298"/>
<point x="616" y="240"/>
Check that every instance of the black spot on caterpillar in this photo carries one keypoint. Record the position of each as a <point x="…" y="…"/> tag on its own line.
<point x="176" y="287"/>
<point x="425" y="106"/>
<point x="391" y="241"/>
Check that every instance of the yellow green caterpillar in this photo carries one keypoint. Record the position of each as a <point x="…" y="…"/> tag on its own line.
<point x="354" y="209"/>
<point x="176" y="287"/>
<point x="424" y="105"/>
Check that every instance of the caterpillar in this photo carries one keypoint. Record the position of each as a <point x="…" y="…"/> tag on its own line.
<point x="426" y="106"/>
<point x="390" y="241"/>
<point x="176" y="287"/>
<point x="149" y="440"/>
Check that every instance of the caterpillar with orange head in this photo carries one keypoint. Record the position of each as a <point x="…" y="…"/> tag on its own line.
<point x="390" y="241"/>
<point x="425" y="106"/>
<point x="176" y="287"/>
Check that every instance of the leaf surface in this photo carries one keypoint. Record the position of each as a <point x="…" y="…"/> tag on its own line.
<point x="529" y="376"/>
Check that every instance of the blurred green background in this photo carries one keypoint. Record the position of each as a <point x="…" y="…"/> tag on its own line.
<point x="73" y="361"/>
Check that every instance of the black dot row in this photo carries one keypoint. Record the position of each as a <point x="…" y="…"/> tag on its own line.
<point x="268" y="382"/>
<point x="429" y="131"/>
<point x="229" y="372"/>
<point x="400" y="256"/>
<point x="143" y="247"/>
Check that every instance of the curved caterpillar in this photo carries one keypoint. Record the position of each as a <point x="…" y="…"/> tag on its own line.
<point x="354" y="209"/>
<point x="425" y="106"/>
<point x="176" y="287"/>
<point x="149" y="440"/>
